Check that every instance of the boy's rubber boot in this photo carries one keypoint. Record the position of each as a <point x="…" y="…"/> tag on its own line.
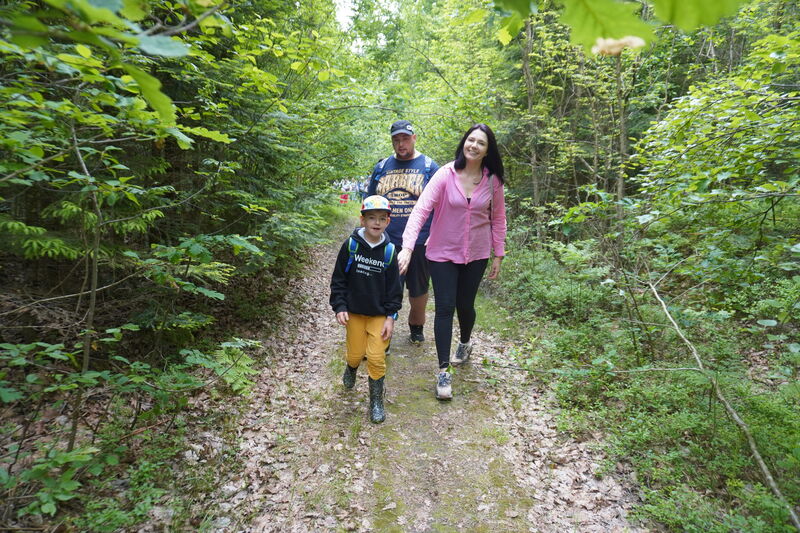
<point x="376" y="411"/>
<point x="349" y="376"/>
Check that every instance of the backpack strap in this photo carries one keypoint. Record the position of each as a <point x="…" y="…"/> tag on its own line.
<point x="388" y="255"/>
<point x="377" y="174"/>
<point x="428" y="163"/>
<point x="352" y="247"/>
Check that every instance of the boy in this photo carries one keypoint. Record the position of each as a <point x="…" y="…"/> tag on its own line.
<point x="366" y="295"/>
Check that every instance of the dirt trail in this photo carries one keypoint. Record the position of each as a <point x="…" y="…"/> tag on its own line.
<point x="489" y="460"/>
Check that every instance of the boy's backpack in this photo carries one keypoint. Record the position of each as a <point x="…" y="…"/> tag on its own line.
<point x="352" y="247"/>
<point x="378" y="174"/>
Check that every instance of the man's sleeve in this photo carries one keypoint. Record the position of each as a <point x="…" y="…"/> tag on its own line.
<point x="339" y="281"/>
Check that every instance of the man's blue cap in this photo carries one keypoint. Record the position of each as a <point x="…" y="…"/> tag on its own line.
<point x="402" y="126"/>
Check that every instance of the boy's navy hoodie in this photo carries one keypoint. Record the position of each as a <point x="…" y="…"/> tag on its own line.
<point x="368" y="288"/>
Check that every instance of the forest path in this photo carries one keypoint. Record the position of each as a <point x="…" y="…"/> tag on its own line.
<point x="489" y="460"/>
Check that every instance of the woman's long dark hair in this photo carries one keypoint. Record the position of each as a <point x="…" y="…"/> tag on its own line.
<point x="492" y="159"/>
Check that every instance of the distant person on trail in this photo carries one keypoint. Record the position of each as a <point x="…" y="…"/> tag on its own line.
<point x="469" y="223"/>
<point x="401" y="178"/>
<point x="365" y="295"/>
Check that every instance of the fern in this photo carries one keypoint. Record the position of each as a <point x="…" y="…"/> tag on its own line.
<point x="230" y="362"/>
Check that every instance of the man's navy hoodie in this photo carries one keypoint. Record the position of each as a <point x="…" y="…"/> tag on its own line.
<point x="368" y="288"/>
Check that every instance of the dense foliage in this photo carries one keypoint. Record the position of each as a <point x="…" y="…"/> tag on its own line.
<point x="157" y="168"/>
<point x="164" y="164"/>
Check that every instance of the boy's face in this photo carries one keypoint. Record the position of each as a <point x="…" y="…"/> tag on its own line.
<point x="374" y="223"/>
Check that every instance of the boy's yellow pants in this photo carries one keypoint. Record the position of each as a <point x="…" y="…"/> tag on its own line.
<point x="364" y="338"/>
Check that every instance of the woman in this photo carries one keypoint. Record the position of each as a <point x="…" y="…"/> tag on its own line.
<point x="469" y="223"/>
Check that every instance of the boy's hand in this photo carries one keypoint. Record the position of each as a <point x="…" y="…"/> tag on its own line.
<point x="403" y="259"/>
<point x="342" y="317"/>
<point x="388" y="327"/>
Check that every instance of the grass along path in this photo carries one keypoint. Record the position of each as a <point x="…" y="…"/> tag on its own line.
<point x="308" y="459"/>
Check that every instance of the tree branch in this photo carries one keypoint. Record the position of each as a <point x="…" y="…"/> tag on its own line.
<point x="745" y="429"/>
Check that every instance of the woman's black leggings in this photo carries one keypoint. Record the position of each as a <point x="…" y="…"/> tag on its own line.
<point x="454" y="288"/>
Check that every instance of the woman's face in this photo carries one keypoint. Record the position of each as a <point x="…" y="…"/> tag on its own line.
<point x="476" y="146"/>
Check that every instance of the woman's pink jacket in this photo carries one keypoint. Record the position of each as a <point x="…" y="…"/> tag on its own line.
<point x="461" y="231"/>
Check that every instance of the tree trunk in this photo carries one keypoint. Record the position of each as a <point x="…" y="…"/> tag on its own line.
<point x="532" y="155"/>
<point x="623" y="139"/>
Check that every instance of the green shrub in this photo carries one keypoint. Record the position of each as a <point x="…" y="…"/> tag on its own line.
<point x="562" y="285"/>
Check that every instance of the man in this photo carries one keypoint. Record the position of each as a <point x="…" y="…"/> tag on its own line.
<point x="401" y="178"/>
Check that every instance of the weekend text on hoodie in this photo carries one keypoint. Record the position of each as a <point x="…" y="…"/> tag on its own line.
<point x="368" y="288"/>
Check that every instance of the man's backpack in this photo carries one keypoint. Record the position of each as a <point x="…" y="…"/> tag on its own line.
<point x="352" y="247"/>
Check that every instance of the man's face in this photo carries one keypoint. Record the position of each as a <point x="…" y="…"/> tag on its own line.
<point x="403" y="144"/>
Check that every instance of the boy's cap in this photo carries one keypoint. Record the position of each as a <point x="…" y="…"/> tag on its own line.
<point x="375" y="202"/>
<point x="402" y="126"/>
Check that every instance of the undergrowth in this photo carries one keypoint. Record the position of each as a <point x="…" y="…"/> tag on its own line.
<point x="692" y="464"/>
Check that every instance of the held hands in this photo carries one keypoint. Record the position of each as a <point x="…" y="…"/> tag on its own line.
<point x="342" y="317"/>
<point x="495" y="268"/>
<point x="388" y="327"/>
<point x="403" y="259"/>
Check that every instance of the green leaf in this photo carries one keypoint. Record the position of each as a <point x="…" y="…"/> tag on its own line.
<point x="26" y="40"/>
<point x="211" y="294"/>
<point x="477" y="15"/>
<point x="133" y="10"/>
<point x="593" y="19"/>
<point x="691" y="15"/>
<point x="151" y="91"/>
<point x="8" y="395"/>
<point x="209" y="134"/>
<point x="522" y="7"/>
<point x="323" y="75"/>
<point x="28" y="23"/>
<point x="83" y="50"/>
<point x="511" y="26"/>
<point x="183" y="141"/>
<point x="768" y="322"/>
<point x="161" y="45"/>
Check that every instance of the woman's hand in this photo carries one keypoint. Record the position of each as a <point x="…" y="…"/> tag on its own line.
<point x="403" y="259"/>
<point x="342" y="317"/>
<point x="495" y="269"/>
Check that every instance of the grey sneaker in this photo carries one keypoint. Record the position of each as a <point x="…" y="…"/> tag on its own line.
<point x="462" y="354"/>
<point x="444" y="389"/>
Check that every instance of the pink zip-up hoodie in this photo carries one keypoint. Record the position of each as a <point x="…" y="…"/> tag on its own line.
<point x="461" y="231"/>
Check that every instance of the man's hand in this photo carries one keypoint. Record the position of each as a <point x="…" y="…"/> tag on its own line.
<point x="403" y="259"/>
<point x="388" y="327"/>
<point x="495" y="269"/>
<point x="342" y="317"/>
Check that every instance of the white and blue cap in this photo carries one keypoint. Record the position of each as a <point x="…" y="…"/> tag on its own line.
<point x="402" y="126"/>
<point x="375" y="202"/>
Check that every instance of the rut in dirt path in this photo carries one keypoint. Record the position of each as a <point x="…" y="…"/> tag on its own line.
<point x="489" y="460"/>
